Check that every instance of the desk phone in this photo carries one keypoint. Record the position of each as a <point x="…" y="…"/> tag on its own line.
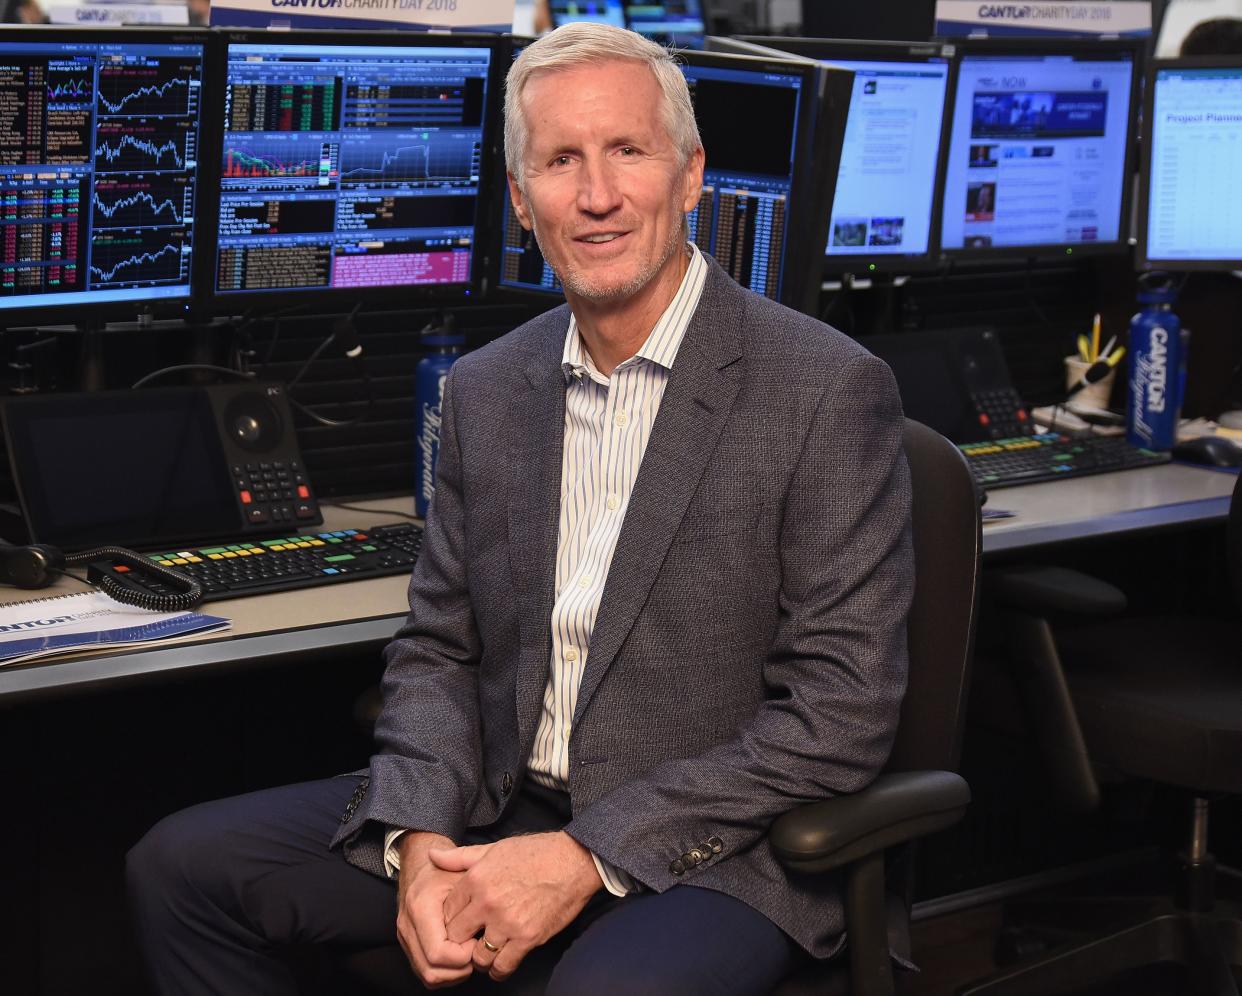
<point x="208" y="480"/>
<point x="955" y="381"/>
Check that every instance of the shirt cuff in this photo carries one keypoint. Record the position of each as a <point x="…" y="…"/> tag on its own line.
<point x="392" y="857"/>
<point x="615" y="880"/>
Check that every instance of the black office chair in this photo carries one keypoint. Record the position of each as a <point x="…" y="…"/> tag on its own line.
<point x="917" y="794"/>
<point x="1159" y="699"/>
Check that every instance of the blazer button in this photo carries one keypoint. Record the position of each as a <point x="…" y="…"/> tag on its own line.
<point x="678" y="866"/>
<point x="716" y="844"/>
<point x="695" y="855"/>
<point x="506" y="784"/>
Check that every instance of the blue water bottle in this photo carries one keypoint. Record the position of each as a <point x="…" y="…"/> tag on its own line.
<point x="443" y="347"/>
<point x="1157" y="366"/>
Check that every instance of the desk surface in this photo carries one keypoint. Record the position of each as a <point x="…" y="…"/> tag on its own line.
<point x="360" y="616"/>
<point x="1107" y="504"/>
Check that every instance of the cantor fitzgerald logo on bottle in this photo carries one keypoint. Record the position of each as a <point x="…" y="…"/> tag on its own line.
<point x="1153" y="370"/>
<point x="429" y="441"/>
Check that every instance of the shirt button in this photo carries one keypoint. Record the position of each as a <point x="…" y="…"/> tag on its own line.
<point x="613" y="502"/>
<point x="506" y="783"/>
<point x="621" y="419"/>
<point x="571" y="654"/>
<point x="584" y="581"/>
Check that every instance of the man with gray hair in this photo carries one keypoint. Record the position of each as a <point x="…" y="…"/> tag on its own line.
<point x="661" y="600"/>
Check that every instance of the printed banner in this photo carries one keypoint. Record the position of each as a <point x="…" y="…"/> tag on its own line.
<point x="412" y="15"/>
<point x="88" y="12"/>
<point x="956" y="18"/>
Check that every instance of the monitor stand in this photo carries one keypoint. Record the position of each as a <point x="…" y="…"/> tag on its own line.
<point x="90" y="373"/>
<point x="865" y="305"/>
<point x="90" y="358"/>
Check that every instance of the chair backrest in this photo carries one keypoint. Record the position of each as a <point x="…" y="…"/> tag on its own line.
<point x="941" y="627"/>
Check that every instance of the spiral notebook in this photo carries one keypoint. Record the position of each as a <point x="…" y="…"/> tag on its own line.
<point x="89" y="620"/>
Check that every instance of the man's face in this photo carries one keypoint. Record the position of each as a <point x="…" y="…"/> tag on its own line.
<point x="604" y="191"/>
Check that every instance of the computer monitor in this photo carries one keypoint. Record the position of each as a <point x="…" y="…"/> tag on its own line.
<point x="1190" y="217"/>
<point x="99" y="154"/>
<point x="681" y="22"/>
<point x="596" y="11"/>
<point x="350" y="164"/>
<point x="1039" y="155"/>
<point x="764" y="202"/>
<point x="884" y="214"/>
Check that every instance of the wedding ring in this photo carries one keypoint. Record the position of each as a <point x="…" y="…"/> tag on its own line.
<point x="489" y="945"/>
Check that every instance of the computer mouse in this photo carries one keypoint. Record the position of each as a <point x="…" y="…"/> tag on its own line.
<point x="1214" y="451"/>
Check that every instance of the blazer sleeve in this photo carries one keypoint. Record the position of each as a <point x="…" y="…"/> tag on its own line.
<point x="834" y="674"/>
<point x="426" y="771"/>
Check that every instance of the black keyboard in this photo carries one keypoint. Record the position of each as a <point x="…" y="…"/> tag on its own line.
<point x="1051" y="456"/>
<point x="262" y="566"/>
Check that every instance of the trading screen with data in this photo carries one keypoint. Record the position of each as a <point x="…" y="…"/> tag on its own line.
<point x="886" y="183"/>
<point x="98" y="168"/>
<point x="349" y="166"/>
<point x="1194" y="159"/>
<point x="678" y="21"/>
<point x="595" y="11"/>
<point x="742" y="218"/>
<point x="1038" y="155"/>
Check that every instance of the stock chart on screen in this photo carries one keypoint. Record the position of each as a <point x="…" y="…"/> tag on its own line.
<point x="349" y="166"/>
<point x="98" y="167"/>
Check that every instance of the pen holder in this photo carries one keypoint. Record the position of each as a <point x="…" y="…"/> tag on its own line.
<point x="1093" y="395"/>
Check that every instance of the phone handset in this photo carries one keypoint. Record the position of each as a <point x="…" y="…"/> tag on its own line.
<point x="38" y="565"/>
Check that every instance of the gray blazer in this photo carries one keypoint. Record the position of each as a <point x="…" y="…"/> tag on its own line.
<point x="749" y="653"/>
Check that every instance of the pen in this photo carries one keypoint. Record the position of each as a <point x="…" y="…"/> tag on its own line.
<point x="1113" y="360"/>
<point x="1095" y="338"/>
<point x="1082" y="349"/>
<point x="1108" y="347"/>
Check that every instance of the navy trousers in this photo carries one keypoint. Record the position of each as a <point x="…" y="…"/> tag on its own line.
<point x="223" y="893"/>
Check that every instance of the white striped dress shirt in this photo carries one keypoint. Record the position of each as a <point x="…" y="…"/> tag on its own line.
<point x="608" y="421"/>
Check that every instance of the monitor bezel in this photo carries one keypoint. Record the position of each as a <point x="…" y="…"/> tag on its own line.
<point x="818" y="151"/>
<point x="95" y="313"/>
<point x="1052" y="45"/>
<point x="867" y="264"/>
<point x="329" y="299"/>
<point x="1142" y="258"/>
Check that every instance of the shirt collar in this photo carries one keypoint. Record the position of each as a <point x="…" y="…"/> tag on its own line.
<point x="662" y="344"/>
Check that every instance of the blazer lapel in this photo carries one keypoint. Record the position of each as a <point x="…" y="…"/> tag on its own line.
<point x="536" y="438"/>
<point x="695" y="407"/>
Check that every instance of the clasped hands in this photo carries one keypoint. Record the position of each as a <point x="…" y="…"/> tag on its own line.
<point x="489" y="905"/>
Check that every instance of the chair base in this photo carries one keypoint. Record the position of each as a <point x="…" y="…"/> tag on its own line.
<point x="1208" y="944"/>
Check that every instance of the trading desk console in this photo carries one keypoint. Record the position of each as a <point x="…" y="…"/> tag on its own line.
<point x="361" y="615"/>
<point x="267" y="629"/>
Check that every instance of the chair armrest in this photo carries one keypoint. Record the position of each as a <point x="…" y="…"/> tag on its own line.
<point x="891" y="810"/>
